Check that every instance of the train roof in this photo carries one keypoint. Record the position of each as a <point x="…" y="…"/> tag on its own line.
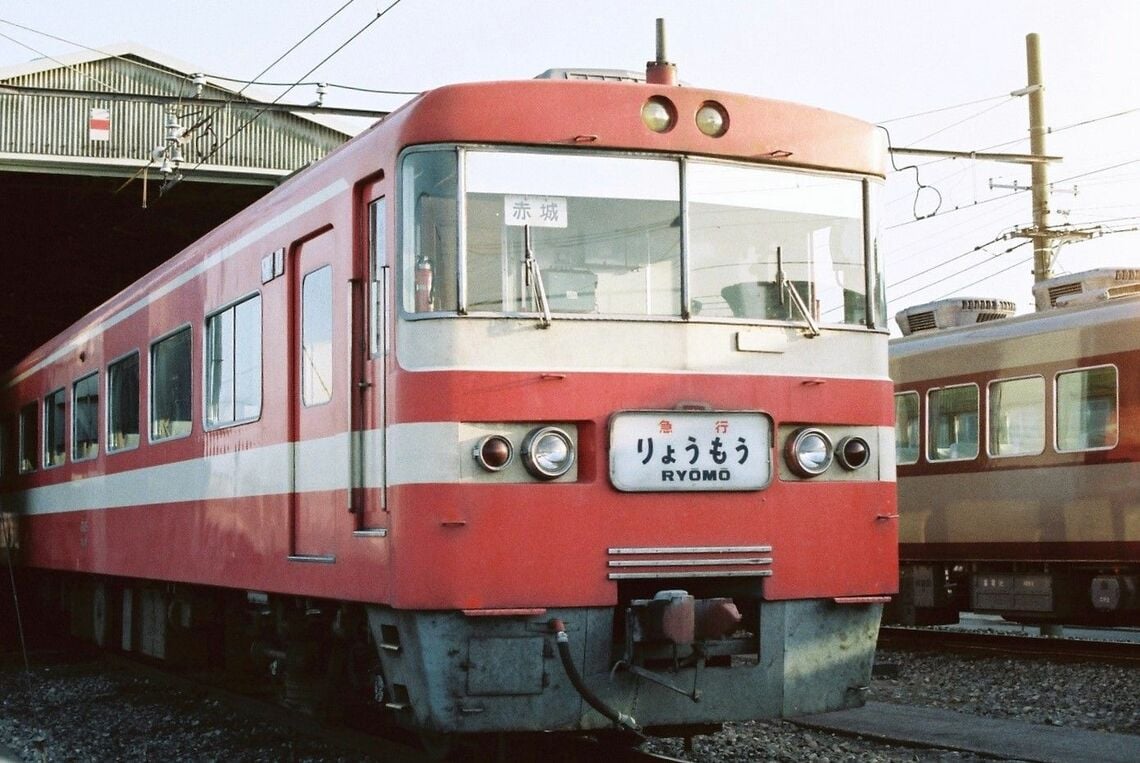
<point x="1064" y="333"/>
<point x="551" y="112"/>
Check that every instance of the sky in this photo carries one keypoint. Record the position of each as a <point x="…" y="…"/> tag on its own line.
<point x="935" y="75"/>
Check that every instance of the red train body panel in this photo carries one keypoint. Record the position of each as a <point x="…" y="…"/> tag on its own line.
<point x="525" y="362"/>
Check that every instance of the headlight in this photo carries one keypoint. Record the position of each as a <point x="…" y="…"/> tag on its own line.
<point x="852" y="453"/>
<point x="808" y="452"/>
<point x="548" y="453"/>
<point x="712" y="119"/>
<point x="659" y="114"/>
<point x="494" y="452"/>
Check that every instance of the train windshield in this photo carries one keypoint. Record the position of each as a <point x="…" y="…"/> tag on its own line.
<point x="574" y="235"/>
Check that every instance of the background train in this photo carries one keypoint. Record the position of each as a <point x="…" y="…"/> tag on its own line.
<point x="558" y="404"/>
<point x="1018" y="449"/>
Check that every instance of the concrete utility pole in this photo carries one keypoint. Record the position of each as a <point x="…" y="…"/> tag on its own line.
<point x="1046" y="238"/>
<point x="1042" y="215"/>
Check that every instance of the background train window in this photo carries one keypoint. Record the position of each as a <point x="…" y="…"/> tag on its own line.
<point x="1087" y="409"/>
<point x="1016" y="423"/>
<point x="29" y="438"/>
<point x="906" y="428"/>
<point x="170" y="386"/>
<point x="55" y="428"/>
<point x="233" y="364"/>
<point x="952" y="423"/>
<point x="85" y="418"/>
<point x="316" y="337"/>
<point x="123" y="404"/>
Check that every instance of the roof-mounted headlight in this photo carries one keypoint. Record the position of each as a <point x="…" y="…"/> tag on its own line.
<point x="548" y="453"/>
<point x="659" y="114"/>
<point x="808" y="452"/>
<point x="712" y="119"/>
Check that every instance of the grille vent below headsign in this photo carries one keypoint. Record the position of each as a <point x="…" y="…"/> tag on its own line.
<point x="651" y="563"/>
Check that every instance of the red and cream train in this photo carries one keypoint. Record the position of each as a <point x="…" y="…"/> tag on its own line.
<point x="1019" y="455"/>
<point x="557" y="404"/>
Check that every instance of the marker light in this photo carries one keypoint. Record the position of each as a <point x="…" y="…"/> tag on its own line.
<point x="494" y="452"/>
<point x="548" y="453"/>
<point x="808" y="452"/>
<point x="852" y="453"/>
<point x="712" y="119"/>
<point x="659" y="114"/>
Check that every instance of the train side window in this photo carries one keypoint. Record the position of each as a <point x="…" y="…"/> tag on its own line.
<point x="123" y="404"/>
<point x="85" y="418"/>
<point x="952" y="423"/>
<point x="906" y="428"/>
<point x="170" y="386"/>
<point x="1016" y="417"/>
<point x="316" y="337"/>
<point x="1087" y="409"/>
<point x="233" y="364"/>
<point x="29" y="444"/>
<point x="377" y="234"/>
<point x="55" y="428"/>
<point x="430" y="231"/>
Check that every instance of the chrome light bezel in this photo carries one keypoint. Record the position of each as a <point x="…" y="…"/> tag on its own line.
<point x="481" y="458"/>
<point x="844" y="458"/>
<point x="800" y="449"/>
<point x="533" y="459"/>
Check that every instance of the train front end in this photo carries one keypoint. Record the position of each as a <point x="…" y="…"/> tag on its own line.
<point x="639" y="448"/>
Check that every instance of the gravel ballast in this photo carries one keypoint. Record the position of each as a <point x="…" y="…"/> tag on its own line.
<point x="74" y="712"/>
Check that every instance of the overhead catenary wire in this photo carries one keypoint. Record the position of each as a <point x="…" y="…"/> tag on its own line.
<point x="962" y="272"/>
<point x="240" y="128"/>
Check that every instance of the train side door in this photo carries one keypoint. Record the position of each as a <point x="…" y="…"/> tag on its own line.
<point x="320" y="406"/>
<point x="370" y="419"/>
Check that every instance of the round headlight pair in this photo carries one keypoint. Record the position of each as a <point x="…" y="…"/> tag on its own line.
<point x="547" y="452"/>
<point x="810" y="452"/>
<point x="660" y="115"/>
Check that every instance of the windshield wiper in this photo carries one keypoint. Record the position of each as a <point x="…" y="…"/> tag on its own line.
<point x="534" y="279"/>
<point x="785" y="285"/>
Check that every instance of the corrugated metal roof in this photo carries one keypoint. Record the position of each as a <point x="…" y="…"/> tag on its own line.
<point x="46" y="130"/>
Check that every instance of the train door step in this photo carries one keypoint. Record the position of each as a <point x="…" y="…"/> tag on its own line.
<point x="1005" y="739"/>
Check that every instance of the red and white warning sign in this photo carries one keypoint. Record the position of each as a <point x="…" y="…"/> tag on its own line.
<point x="99" y="124"/>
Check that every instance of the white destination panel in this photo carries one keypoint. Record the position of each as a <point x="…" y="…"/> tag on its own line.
<point x="690" y="450"/>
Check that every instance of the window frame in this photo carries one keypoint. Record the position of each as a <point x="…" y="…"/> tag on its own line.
<point x="406" y="250"/>
<point x="109" y="401"/>
<point x="990" y="421"/>
<point x="928" y="443"/>
<point x="23" y="465"/>
<point x="74" y="408"/>
<point x="378" y="268"/>
<point x="152" y="368"/>
<point x="52" y="459"/>
<point x="1056" y="412"/>
<point x="918" y="419"/>
<point x="209" y="424"/>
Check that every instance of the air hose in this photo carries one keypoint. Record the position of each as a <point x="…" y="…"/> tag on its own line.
<point x="620" y="719"/>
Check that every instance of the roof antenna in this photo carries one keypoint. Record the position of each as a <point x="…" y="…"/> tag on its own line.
<point x="660" y="72"/>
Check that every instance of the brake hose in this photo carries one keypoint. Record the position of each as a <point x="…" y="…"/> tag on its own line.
<point x="620" y="719"/>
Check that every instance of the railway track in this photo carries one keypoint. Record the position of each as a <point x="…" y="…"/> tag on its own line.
<point x="1003" y="643"/>
<point x="187" y="696"/>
